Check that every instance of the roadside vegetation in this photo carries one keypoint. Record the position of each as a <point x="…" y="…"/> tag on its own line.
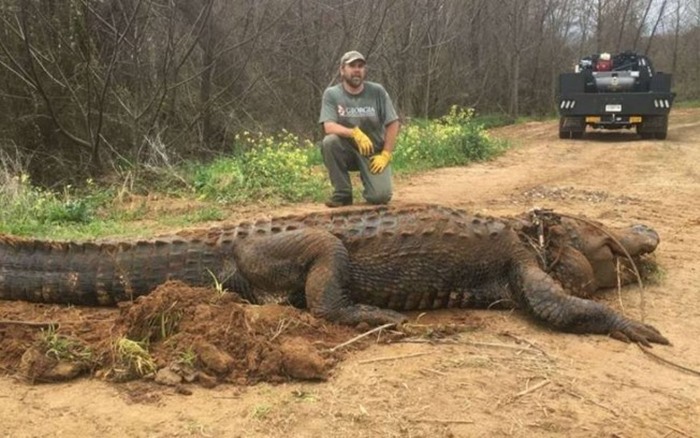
<point x="276" y="169"/>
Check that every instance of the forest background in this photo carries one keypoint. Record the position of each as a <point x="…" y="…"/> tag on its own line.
<point x="94" y="89"/>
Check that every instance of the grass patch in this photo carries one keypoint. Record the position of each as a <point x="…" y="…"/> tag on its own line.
<point x="29" y="210"/>
<point x="187" y="357"/>
<point x="274" y="169"/>
<point x="260" y="412"/>
<point x="690" y="103"/>
<point x="284" y="168"/>
<point x="218" y="284"/>
<point x="494" y="120"/>
<point x="167" y="322"/>
<point x="452" y="140"/>
<point x="651" y="272"/>
<point x="132" y="359"/>
<point x="60" y="347"/>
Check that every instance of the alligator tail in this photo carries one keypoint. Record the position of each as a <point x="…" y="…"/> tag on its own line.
<point x="104" y="273"/>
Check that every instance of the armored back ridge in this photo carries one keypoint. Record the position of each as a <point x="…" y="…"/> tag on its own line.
<point x="355" y="265"/>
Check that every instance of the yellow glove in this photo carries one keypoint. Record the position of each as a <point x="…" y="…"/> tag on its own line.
<point x="364" y="144"/>
<point x="379" y="162"/>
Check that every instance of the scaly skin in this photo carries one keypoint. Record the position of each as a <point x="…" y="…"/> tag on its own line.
<point x="350" y="266"/>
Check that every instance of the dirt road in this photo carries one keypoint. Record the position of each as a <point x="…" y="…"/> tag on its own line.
<point x="505" y="376"/>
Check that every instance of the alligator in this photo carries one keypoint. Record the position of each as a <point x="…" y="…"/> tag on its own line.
<point x="358" y="265"/>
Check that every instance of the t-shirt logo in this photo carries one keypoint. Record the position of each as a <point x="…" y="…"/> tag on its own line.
<point x="356" y="111"/>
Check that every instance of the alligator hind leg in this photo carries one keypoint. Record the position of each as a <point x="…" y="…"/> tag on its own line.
<point x="313" y="260"/>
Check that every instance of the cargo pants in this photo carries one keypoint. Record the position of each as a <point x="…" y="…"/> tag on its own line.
<point x="341" y="157"/>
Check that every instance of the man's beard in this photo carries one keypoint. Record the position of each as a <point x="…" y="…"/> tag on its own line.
<point x="354" y="81"/>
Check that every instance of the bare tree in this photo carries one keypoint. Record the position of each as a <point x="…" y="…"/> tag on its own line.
<point x="90" y="87"/>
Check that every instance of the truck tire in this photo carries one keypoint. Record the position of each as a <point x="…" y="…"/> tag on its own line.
<point x="653" y="127"/>
<point x="571" y="127"/>
<point x="663" y="128"/>
<point x="570" y="134"/>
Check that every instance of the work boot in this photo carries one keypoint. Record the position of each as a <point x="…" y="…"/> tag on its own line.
<point x="334" y="203"/>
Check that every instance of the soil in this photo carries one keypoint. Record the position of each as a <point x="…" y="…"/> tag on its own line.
<point x="226" y="368"/>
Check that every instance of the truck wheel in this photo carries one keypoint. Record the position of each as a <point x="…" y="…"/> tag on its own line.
<point x="653" y="127"/>
<point x="570" y="134"/>
<point x="563" y="133"/>
<point x="661" y="133"/>
<point x="571" y="127"/>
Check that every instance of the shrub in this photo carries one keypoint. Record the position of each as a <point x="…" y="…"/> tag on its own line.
<point x="452" y="140"/>
<point x="27" y="207"/>
<point x="270" y="168"/>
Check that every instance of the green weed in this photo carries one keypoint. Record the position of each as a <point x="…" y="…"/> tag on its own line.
<point x="454" y="139"/>
<point x="218" y="284"/>
<point x="271" y="168"/>
<point x="187" y="357"/>
<point x="260" y="412"/>
<point x="134" y="358"/>
<point x="690" y="103"/>
<point x="205" y="214"/>
<point x="651" y="272"/>
<point x="28" y="209"/>
<point x="62" y="348"/>
<point x="304" y="396"/>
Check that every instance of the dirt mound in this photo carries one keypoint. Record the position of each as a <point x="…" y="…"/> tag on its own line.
<point x="230" y="340"/>
<point x="180" y="334"/>
<point x="174" y="335"/>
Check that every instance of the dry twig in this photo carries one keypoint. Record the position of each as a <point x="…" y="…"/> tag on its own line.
<point x="588" y="399"/>
<point x="506" y="346"/>
<point x="439" y="420"/>
<point x="674" y="429"/>
<point x="386" y="358"/>
<point x="30" y="323"/>
<point x="532" y="388"/>
<point x="619" y="285"/>
<point x="666" y="361"/>
<point x="365" y="334"/>
<point x="433" y="371"/>
<point x="427" y="341"/>
<point x="530" y="344"/>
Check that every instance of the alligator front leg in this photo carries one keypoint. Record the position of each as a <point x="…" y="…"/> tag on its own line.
<point x="315" y="261"/>
<point x="545" y="300"/>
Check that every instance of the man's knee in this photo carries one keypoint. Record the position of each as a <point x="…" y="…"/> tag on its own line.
<point x="380" y="197"/>
<point x="330" y="142"/>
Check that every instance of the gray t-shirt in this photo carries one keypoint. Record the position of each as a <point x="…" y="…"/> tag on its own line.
<point x="371" y="110"/>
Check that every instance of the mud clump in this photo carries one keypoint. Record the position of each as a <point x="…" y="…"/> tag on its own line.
<point x="228" y="340"/>
<point x="38" y="367"/>
<point x="175" y="335"/>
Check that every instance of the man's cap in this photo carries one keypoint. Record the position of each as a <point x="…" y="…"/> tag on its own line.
<point x="352" y="56"/>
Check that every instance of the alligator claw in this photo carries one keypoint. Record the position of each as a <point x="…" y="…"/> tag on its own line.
<point x="644" y="334"/>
